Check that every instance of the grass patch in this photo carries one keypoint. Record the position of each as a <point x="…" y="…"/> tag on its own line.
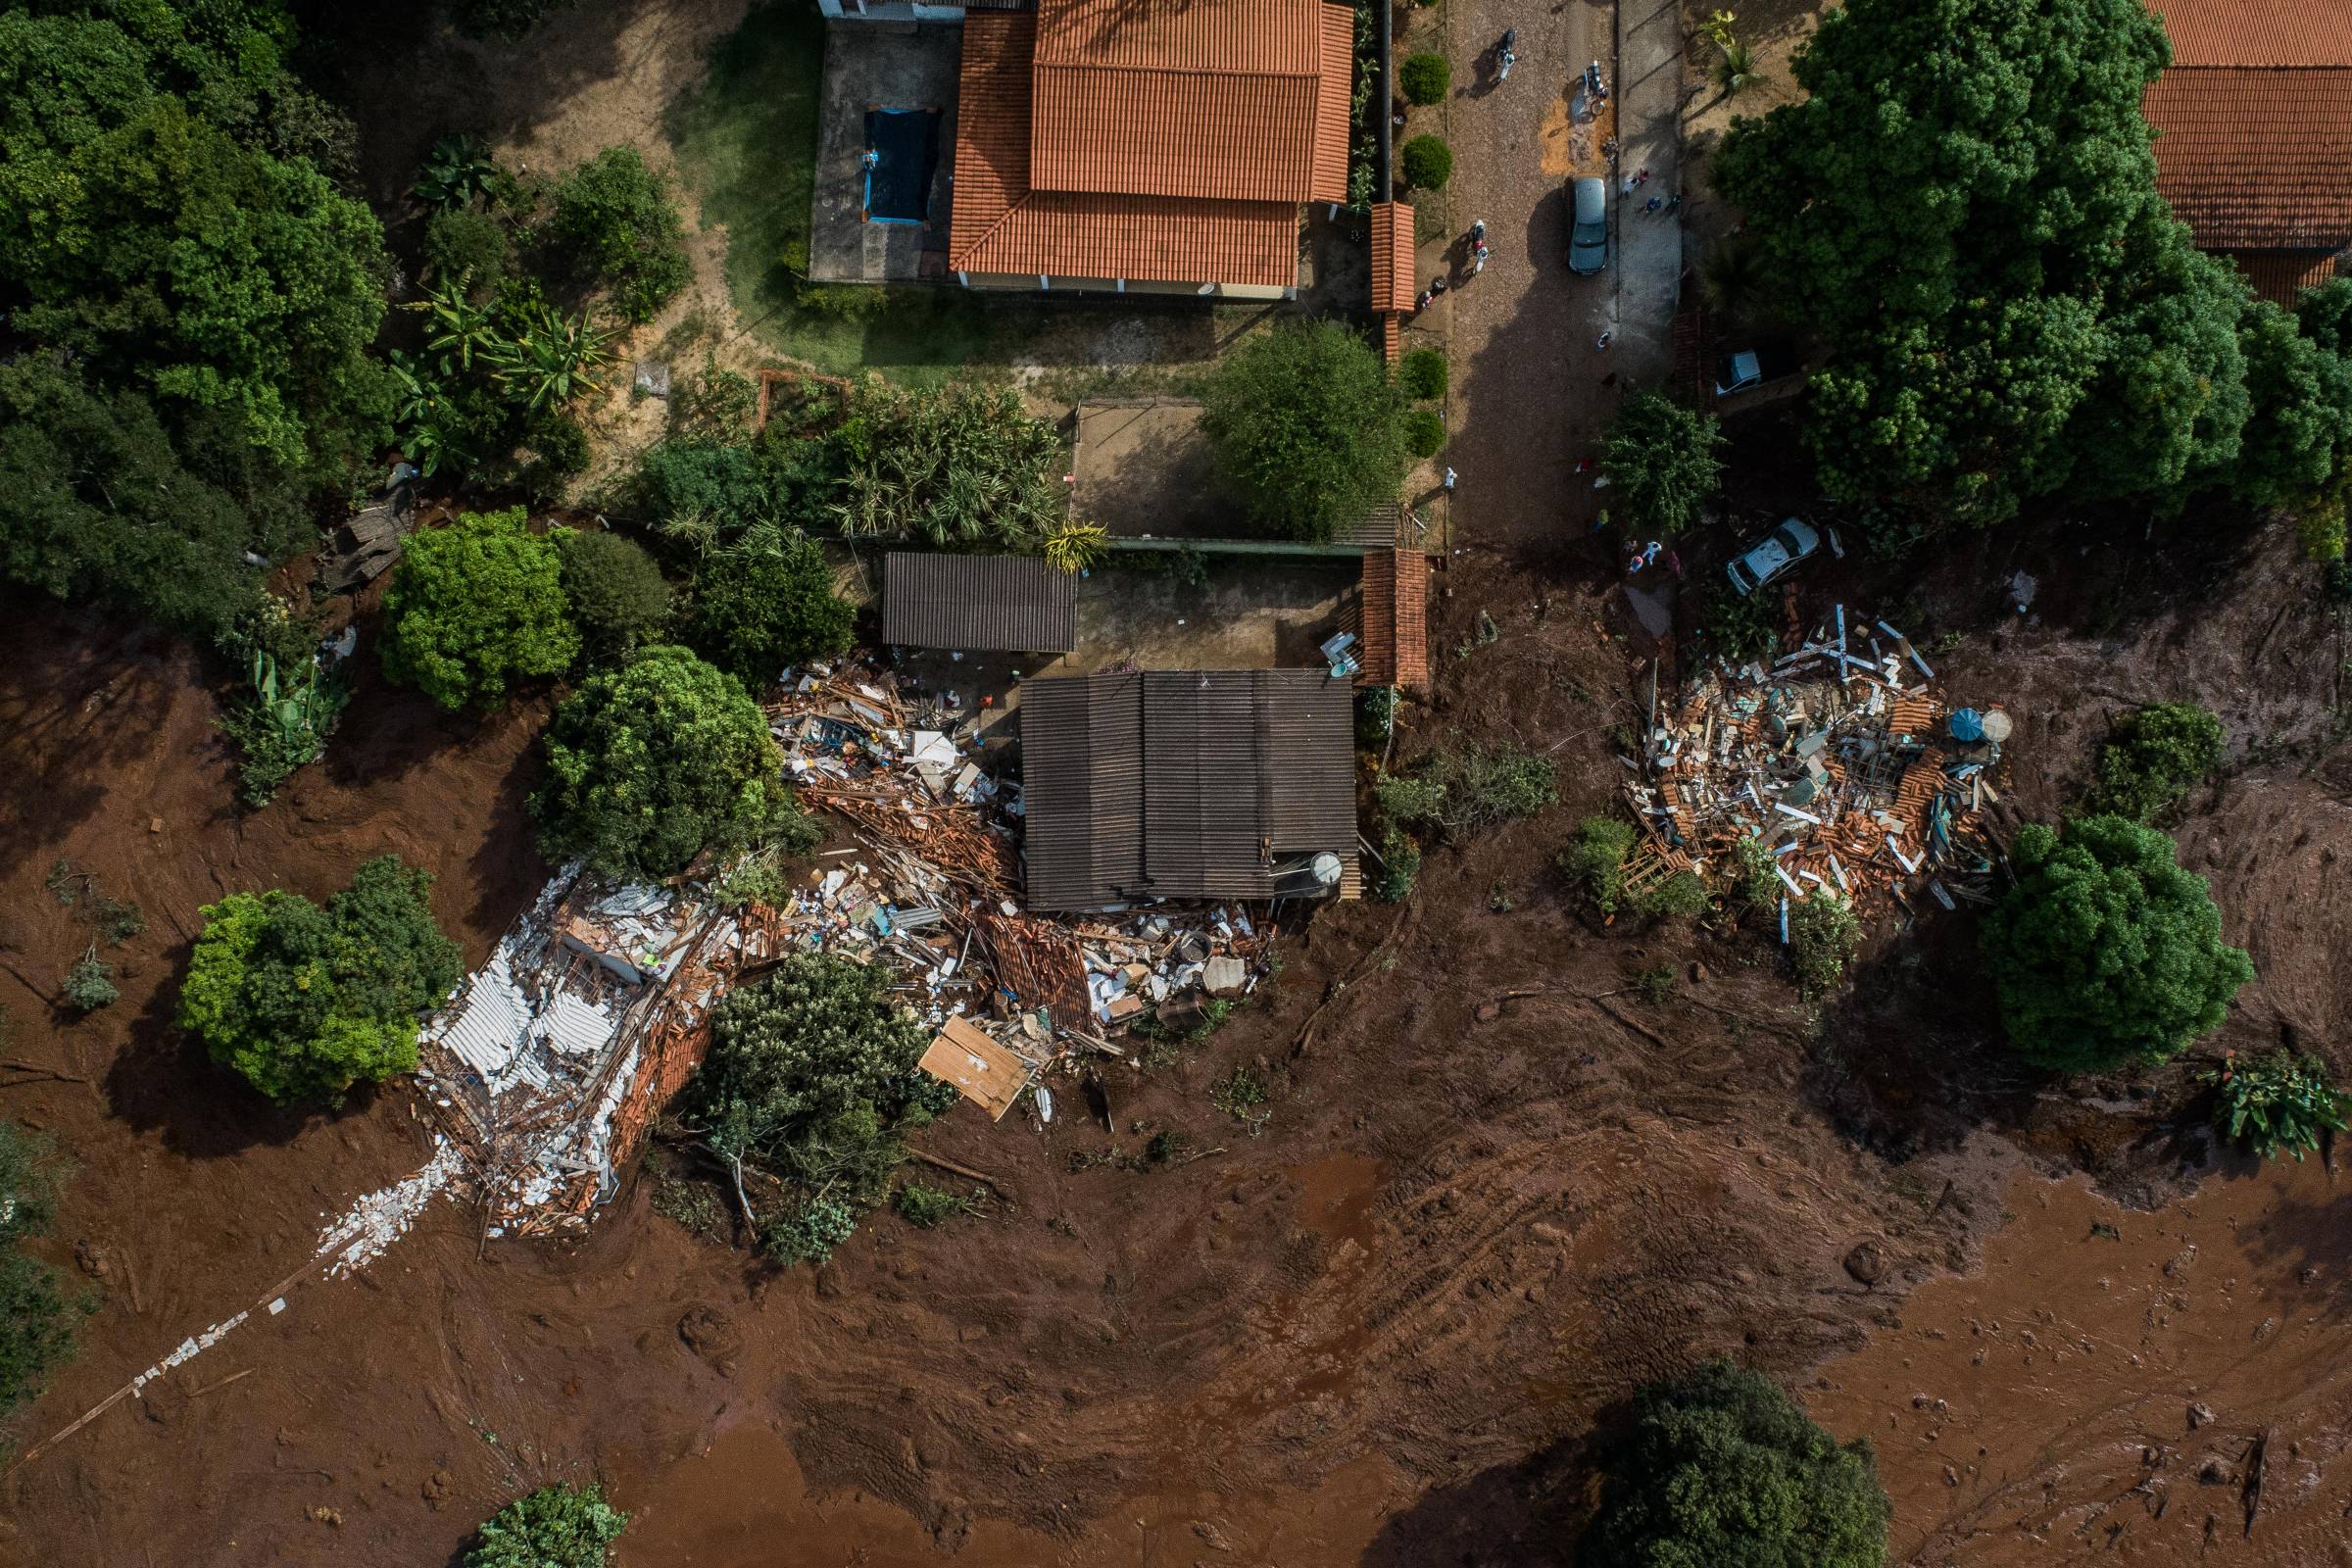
<point x="746" y="140"/>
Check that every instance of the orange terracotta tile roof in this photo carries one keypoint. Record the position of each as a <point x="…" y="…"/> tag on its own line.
<point x="2258" y="32"/>
<point x="1393" y="271"/>
<point x="1228" y="100"/>
<point x="2256" y="158"/>
<point x="1001" y="223"/>
<point x="2281" y="277"/>
<point x="1396" y="619"/>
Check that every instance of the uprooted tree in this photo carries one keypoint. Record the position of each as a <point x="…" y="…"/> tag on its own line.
<point x="811" y="1073"/>
<point x="302" y="1002"/>
<point x="1724" y="1468"/>
<point x="657" y="761"/>
<point x="2107" y="951"/>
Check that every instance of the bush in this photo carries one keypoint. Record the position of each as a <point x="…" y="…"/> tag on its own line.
<point x="91" y="984"/>
<point x="961" y="467"/>
<point x="304" y="1002"/>
<point x="1595" y="860"/>
<point x="1459" y="792"/>
<point x="1677" y="897"/>
<point x="619" y="596"/>
<point x="2275" y="1100"/>
<point x="713" y="405"/>
<point x="1422" y="374"/>
<point x="2153" y="757"/>
<point x="474" y="606"/>
<point x="36" y="1321"/>
<point x="1724" y="1467"/>
<point x="654" y="763"/>
<point x="1375" y="715"/>
<point x="1660" y="460"/>
<point x="1428" y="163"/>
<point x="2106" y="951"/>
<point x="810" y="1074"/>
<point x="468" y="246"/>
<point x="616" y="218"/>
<point x="1754" y="882"/>
<point x="1823" y="937"/>
<point x="765" y="602"/>
<point x="555" y="1526"/>
<point x="2319" y="525"/>
<point x="1743" y="625"/>
<point x="1307" y="429"/>
<point x="700" y="492"/>
<point x="559" y="448"/>
<point x="1424" y="432"/>
<point x="1425" y="79"/>
<point x="927" y="1206"/>
<point x="1400" y="865"/>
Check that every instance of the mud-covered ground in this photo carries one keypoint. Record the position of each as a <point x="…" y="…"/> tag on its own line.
<point x="1496" y="1189"/>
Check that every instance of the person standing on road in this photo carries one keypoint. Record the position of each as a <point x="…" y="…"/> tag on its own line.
<point x="1450" y="481"/>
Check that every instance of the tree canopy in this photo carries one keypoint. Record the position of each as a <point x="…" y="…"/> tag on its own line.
<point x="1308" y="429"/>
<point x="618" y="221"/>
<point x="765" y="602"/>
<point x="1965" y="205"/>
<point x="656" y="762"/>
<point x="1661" y="458"/>
<point x="555" y="1527"/>
<point x="36" y="1317"/>
<point x="618" y="596"/>
<point x="1723" y="1470"/>
<point x="811" y="1069"/>
<point x="305" y="1002"/>
<point x="2106" y="951"/>
<point x="475" y="607"/>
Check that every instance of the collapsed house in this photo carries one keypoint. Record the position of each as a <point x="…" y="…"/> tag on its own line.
<point x="1841" y="759"/>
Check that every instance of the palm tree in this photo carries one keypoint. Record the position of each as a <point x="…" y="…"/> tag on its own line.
<point x="1730" y="277"/>
<point x="551" y="358"/>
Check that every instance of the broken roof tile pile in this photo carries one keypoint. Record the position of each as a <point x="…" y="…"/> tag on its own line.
<point x="2254" y="116"/>
<point x="1098" y="139"/>
<point x="978" y="603"/>
<point x="1187" y="784"/>
<point x="1842" y="757"/>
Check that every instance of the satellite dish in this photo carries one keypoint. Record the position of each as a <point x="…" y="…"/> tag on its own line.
<point x="1326" y="868"/>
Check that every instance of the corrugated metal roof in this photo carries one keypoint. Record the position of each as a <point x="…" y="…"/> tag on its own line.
<point x="2256" y="159"/>
<point x="1183" y="783"/>
<point x="1008" y="604"/>
<point x="2258" y="32"/>
<point x="1047" y="184"/>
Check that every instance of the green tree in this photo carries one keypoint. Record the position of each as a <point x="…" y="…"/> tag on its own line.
<point x="1661" y="460"/>
<point x="469" y="248"/>
<point x="2106" y="951"/>
<point x="620" y="223"/>
<point x="2153" y="756"/>
<point x="768" y="602"/>
<point x="812" y="1070"/>
<point x="37" y="1319"/>
<point x="555" y="1527"/>
<point x="213" y="275"/>
<point x="475" y="607"/>
<point x="1824" y="936"/>
<point x="1724" y="1470"/>
<point x="1428" y="163"/>
<point x="1422" y="374"/>
<point x="1425" y="78"/>
<point x="1308" y="428"/>
<point x="97" y="500"/>
<point x="1457" y="791"/>
<point x="1965" y="205"/>
<point x="302" y="1002"/>
<point x="656" y="762"/>
<point x="619" y="598"/>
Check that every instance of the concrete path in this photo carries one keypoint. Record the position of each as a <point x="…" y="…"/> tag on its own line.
<point x="1531" y="389"/>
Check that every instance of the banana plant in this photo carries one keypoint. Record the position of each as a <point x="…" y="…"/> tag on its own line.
<point x="455" y="326"/>
<point x="550" y="358"/>
<point x="457" y="171"/>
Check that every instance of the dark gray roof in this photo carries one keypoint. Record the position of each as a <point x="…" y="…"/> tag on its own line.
<point x="1183" y="783"/>
<point x="1008" y="604"/>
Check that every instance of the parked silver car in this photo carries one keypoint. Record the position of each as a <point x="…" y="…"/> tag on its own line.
<point x="1786" y="545"/>
<point x="1589" y="232"/>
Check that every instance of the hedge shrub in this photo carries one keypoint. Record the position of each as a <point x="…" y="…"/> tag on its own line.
<point x="1428" y="163"/>
<point x="1425" y="78"/>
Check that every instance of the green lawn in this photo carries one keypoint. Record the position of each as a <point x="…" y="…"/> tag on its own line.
<point x="746" y="140"/>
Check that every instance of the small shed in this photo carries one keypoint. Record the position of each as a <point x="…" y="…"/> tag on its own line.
<point x="978" y="603"/>
<point x="990" y="1075"/>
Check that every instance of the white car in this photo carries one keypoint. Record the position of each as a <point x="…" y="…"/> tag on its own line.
<point x="1786" y="545"/>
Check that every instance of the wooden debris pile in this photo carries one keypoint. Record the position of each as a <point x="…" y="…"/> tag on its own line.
<point x="1841" y="758"/>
